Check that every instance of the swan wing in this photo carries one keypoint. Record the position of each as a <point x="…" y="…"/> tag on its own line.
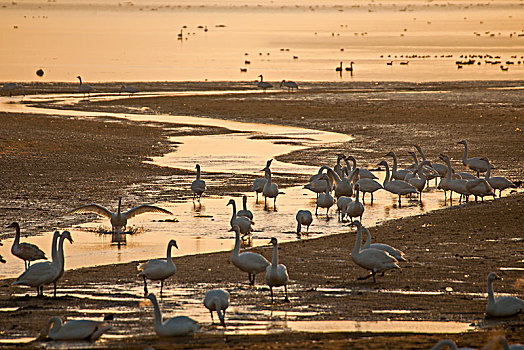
<point x="198" y="186"/>
<point x="156" y="269"/>
<point x="76" y="329"/>
<point x="145" y="209"/>
<point x="252" y="262"/>
<point x="394" y="252"/>
<point x="38" y="274"/>
<point x="92" y="208"/>
<point x="179" y="325"/>
<point x="508" y="305"/>
<point x="258" y="185"/>
<point x="28" y="251"/>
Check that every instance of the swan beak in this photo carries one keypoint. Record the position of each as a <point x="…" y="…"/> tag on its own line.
<point x="176" y="246"/>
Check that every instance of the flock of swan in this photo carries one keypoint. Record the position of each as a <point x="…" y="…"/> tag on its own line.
<point x="342" y="181"/>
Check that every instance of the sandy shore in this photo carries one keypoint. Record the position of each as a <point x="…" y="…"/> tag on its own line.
<point x="48" y="174"/>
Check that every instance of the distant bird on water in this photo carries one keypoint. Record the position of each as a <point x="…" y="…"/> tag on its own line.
<point x="289" y="84"/>
<point x="128" y="88"/>
<point x="198" y="186"/>
<point x="339" y="68"/>
<point x="12" y="89"/>
<point x="350" y="68"/>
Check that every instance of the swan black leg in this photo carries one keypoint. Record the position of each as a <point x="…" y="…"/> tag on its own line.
<point x="286" y="299"/>
<point x="271" y="290"/>
<point x="145" y="286"/>
<point x="54" y="294"/>
<point x="161" y="287"/>
<point x="371" y="198"/>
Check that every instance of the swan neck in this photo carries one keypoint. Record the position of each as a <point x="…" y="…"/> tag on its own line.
<point x="61" y="252"/>
<point x="358" y="242"/>
<point x="491" y="297"/>
<point x="244" y="203"/>
<point x="17" y="235"/>
<point x="448" y="173"/>
<point x="274" y="261"/>
<point x="119" y="204"/>
<point x="299" y="226"/>
<point x="386" y="180"/>
<point x="158" y="314"/>
<point x="268" y="176"/>
<point x="54" y="247"/>
<point x="54" y="325"/>
<point x="394" y="163"/>
<point x="168" y="255"/>
<point x="198" y="173"/>
<point x="234" y="205"/>
<point x="488" y="173"/>
<point x="356" y="195"/>
<point x="236" y="249"/>
<point x="465" y="154"/>
<point x="421" y="153"/>
<point x="367" y="243"/>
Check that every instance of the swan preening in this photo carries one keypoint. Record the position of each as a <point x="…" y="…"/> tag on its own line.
<point x="503" y="306"/>
<point x="173" y="327"/>
<point x="217" y="300"/>
<point x="74" y="330"/>
<point x="119" y="219"/>
<point x="46" y="272"/>
<point x="242" y="222"/>
<point x="304" y="217"/>
<point x="26" y="251"/>
<point x="249" y="262"/>
<point x="276" y="274"/>
<point x="157" y="269"/>
<point x="198" y="186"/>
<point x="374" y="260"/>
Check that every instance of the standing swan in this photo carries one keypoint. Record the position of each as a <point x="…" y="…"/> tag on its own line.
<point x="374" y="260"/>
<point x="276" y="274"/>
<point x="249" y="262"/>
<point x="61" y="260"/>
<point x="397" y="174"/>
<point x="263" y="84"/>
<point x="198" y="186"/>
<point x="84" y="88"/>
<point x="119" y="219"/>
<point x="498" y="182"/>
<point x="45" y="272"/>
<point x="503" y="306"/>
<point x="173" y="327"/>
<point x="419" y="182"/>
<point x="243" y="222"/>
<point x="476" y="163"/>
<point x="398" y="187"/>
<point x="74" y="330"/>
<point x="217" y="300"/>
<point x="324" y="200"/>
<point x="26" y="251"/>
<point x="245" y="212"/>
<point x="258" y="184"/>
<point x="270" y="189"/>
<point x="289" y="84"/>
<point x="304" y="217"/>
<point x="355" y="208"/>
<point x="157" y="269"/>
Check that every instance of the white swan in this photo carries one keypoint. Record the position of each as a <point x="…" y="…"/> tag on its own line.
<point x="198" y="186"/>
<point x="397" y="187"/>
<point x="304" y="217"/>
<point x="438" y="167"/>
<point x="289" y="84"/>
<point x="84" y="88"/>
<point x="368" y="186"/>
<point x="502" y="306"/>
<point x="276" y="274"/>
<point x="263" y="84"/>
<point x="342" y="207"/>
<point x="394" y="252"/>
<point x="363" y="172"/>
<point x="45" y="272"/>
<point x="249" y="262"/>
<point x="157" y="269"/>
<point x="396" y="173"/>
<point x="244" y="223"/>
<point x="355" y="208"/>
<point x="173" y="327"/>
<point x="61" y="260"/>
<point x="26" y="251"/>
<point x="119" y="219"/>
<point x="476" y="163"/>
<point x="343" y="186"/>
<point x="480" y="188"/>
<point x="374" y="260"/>
<point x="454" y="185"/>
<point x="270" y="189"/>
<point x="217" y="300"/>
<point x="337" y="168"/>
<point x="74" y="330"/>
<point x="245" y="212"/>
<point x="324" y="200"/>
<point x="498" y="182"/>
<point x="258" y="184"/>
<point x="419" y="182"/>
<point x="319" y="184"/>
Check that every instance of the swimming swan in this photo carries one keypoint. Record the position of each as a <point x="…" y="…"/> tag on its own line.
<point x="26" y="251"/>
<point x="74" y="330"/>
<point x="502" y="306"/>
<point x="198" y="186"/>
<point x="217" y="300"/>
<point x="173" y="327"/>
<point x="157" y="269"/>
<point x="244" y="223"/>
<point x="304" y="217"/>
<point x="119" y="219"/>
<point x="276" y="274"/>
<point x="249" y="262"/>
<point x="374" y="260"/>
